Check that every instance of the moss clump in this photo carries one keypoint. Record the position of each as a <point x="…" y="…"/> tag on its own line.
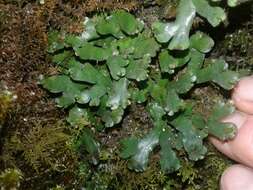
<point x="114" y="174"/>
<point x="212" y="168"/>
<point x="42" y="151"/>
<point x="6" y="99"/>
<point x="40" y="147"/>
<point x="237" y="47"/>
<point x="10" y="179"/>
<point x="240" y="40"/>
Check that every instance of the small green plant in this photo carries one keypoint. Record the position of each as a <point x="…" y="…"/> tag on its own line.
<point x="118" y="61"/>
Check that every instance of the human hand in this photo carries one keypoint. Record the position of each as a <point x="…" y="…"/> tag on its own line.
<point x="240" y="149"/>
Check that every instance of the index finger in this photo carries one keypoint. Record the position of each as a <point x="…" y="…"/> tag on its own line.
<point x="243" y="95"/>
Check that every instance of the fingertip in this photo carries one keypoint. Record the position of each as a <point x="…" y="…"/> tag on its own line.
<point x="222" y="146"/>
<point x="245" y="88"/>
<point x="238" y="119"/>
<point x="243" y="95"/>
<point x="242" y="145"/>
<point x="243" y="105"/>
<point x="237" y="177"/>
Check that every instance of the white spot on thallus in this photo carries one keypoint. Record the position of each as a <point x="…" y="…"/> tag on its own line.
<point x="225" y="66"/>
<point x="172" y="66"/>
<point x="171" y="113"/>
<point x="193" y="78"/>
<point x="115" y="52"/>
<point x="108" y="17"/>
<point x="85" y="35"/>
<point x="235" y="78"/>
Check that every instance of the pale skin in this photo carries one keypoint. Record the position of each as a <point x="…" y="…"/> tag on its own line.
<point x="240" y="149"/>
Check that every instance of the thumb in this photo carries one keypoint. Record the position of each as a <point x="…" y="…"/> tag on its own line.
<point x="241" y="147"/>
<point x="237" y="177"/>
<point x="243" y="95"/>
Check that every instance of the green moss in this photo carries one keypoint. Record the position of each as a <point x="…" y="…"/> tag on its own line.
<point x="240" y="40"/>
<point x="6" y="99"/>
<point x="237" y="46"/>
<point x="10" y="179"/>
<point x="114" y="174"/>
<point x="188" y="173"/>
<point x="41" y="147"/>
<point x="214" y="165"/>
